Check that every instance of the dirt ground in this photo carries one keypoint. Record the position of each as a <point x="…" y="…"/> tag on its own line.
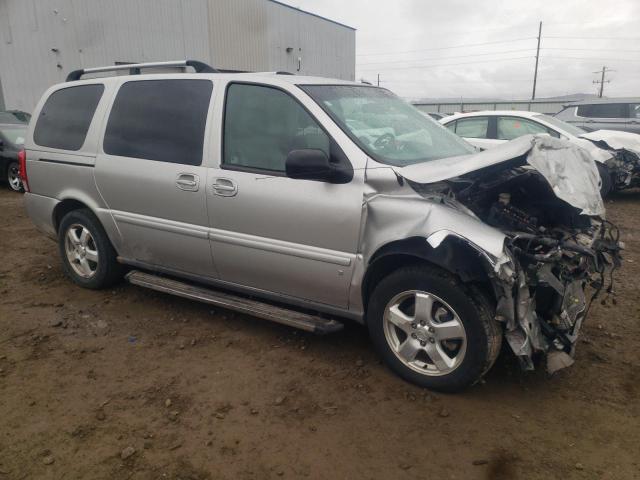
<point x="132" y="384"/>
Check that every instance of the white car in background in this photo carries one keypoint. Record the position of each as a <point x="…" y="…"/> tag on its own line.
<point x="617" y="154"/>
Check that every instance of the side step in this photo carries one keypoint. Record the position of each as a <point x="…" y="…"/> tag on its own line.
<point x="292" y="318"/>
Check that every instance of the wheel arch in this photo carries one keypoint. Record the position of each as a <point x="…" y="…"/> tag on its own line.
<point x="65" y="206"/>
<point x="454" y="255"/>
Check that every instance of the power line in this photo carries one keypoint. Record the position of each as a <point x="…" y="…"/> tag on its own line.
<point x="452" y="64"/>
<point x="597" y="58"/>
<point x="448" y="57"/>
<point x="446" y="48"/>
<point x="592" y="49"/>
<point x="595" y="38"/>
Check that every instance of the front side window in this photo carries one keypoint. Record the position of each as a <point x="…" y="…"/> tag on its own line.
<point x="473" y="127"/>
<point x="509" y="128"/>
<point x="634" y="110"/>
<point x="263" y="124"/>
<point x="162" y="120"/>
<point x="66" y="116"/>
<point x="603" y="110"/>
<point x="385" y="127"/>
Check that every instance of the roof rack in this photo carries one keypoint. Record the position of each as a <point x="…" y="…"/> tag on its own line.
<point x="134" y="68"/>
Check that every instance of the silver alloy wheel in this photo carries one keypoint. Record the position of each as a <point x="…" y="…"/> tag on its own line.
<point x="425" y="333"/>
<point x="13" y="177"/>
<point x="81" y="250"/>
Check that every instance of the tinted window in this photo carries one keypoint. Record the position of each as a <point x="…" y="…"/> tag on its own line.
<point x="634" y="110"/>
<point x="514" y="127"/>
<point x="603" y="110"/>
<point x="262" y="125"/>
<point x="161" y="120"/>
<point x="65" y="118"/>
<point x="474" y="127"/>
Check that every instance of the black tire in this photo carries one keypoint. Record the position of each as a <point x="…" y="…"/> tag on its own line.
<point x="484" y="334"/>
<point x="607" y="182"/>
<point x="12" y="169"/>
<point x="108" y="271"/>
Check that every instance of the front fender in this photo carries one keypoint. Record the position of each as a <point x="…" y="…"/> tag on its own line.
<point x="392" y="218"/>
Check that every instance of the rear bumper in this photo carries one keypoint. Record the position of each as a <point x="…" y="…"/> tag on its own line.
<point x="40" y="210"/>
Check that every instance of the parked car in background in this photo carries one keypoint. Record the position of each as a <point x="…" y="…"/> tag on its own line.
<point x="12" y="137"/>
<point x="617" y="154"/>
<point x="604" y="114"/>
<point x="14" y="116"/>
<point x="310" y="201"/>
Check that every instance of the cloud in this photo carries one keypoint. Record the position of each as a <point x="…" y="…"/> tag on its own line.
<point x="408" y="42"/>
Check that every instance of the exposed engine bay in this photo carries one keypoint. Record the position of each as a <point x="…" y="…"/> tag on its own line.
<point x="624" y="147"/>
<point x="624" y="168"/>
<point x="554" y="250"/>
<point x="558" y="253"/>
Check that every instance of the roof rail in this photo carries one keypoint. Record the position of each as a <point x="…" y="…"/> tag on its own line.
<point x="199" y="67"/>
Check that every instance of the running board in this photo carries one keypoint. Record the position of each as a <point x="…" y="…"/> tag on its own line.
<point x="292" y="318"/>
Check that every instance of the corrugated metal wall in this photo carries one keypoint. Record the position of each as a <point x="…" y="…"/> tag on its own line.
<point x="42" y="40"/>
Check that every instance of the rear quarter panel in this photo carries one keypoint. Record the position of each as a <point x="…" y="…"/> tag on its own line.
<point x="67" y="175"/>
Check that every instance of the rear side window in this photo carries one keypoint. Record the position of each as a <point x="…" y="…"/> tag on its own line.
<point x="66" y="116"/>
<point x="603" y="110"/>
<point x="161" y="120"/>
<point x="474" y="127"/>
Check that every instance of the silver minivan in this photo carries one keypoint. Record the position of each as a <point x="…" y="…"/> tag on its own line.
<point x="310" y="202"/>
<point x="604" y="114"/>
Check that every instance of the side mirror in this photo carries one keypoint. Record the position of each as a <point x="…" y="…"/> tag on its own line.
<point x="310" y="164"/>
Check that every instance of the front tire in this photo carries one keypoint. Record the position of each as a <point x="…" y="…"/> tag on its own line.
<point x="13" y="177"/>
<point x="88" y="258"/>
<point x="433" y="330"/>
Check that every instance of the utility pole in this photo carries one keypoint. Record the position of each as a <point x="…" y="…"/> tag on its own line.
<point x="378" y="79"/>
<point x="602" y="81"/>
<point x="535" y="73"/>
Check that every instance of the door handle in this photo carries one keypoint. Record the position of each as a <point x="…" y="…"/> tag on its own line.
<point x="188" y="182"/>
<point x="225" y="187"/>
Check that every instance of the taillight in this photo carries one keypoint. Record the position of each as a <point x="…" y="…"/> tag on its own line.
<point x="22" y="172"/>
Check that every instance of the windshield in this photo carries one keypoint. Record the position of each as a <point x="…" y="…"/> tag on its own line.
<point x="556" y="122"/>
<point x="14" y="135"/>
<point x="388" y="129"/>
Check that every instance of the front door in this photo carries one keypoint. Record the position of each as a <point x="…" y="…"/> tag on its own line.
<point x="296" y="238"/>
<point x="150" y="174"/>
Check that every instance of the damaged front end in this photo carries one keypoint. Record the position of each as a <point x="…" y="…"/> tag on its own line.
<point x="557" y="243"/>
<point x="624" y="164"/>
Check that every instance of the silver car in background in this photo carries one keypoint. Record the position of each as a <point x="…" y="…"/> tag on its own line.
<point x="311" y="201"/>
<point x="621" y="114"/>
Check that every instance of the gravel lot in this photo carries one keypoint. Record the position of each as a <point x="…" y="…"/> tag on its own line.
<point x="128" y="383"/>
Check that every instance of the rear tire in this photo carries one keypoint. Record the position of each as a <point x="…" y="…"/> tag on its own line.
<point x="453" y="333"/>
<point x="13" y="177"/>
<point x="88" y="258"/>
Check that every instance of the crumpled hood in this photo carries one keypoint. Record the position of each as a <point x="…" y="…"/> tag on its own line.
<point x="569" y="169"/>
<point x="616" y="140"/>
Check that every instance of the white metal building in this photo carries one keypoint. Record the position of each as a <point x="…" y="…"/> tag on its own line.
<point x="43" y="40"/>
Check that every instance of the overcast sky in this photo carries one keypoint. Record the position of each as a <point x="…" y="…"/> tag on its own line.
<point x="407" y="42"/>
